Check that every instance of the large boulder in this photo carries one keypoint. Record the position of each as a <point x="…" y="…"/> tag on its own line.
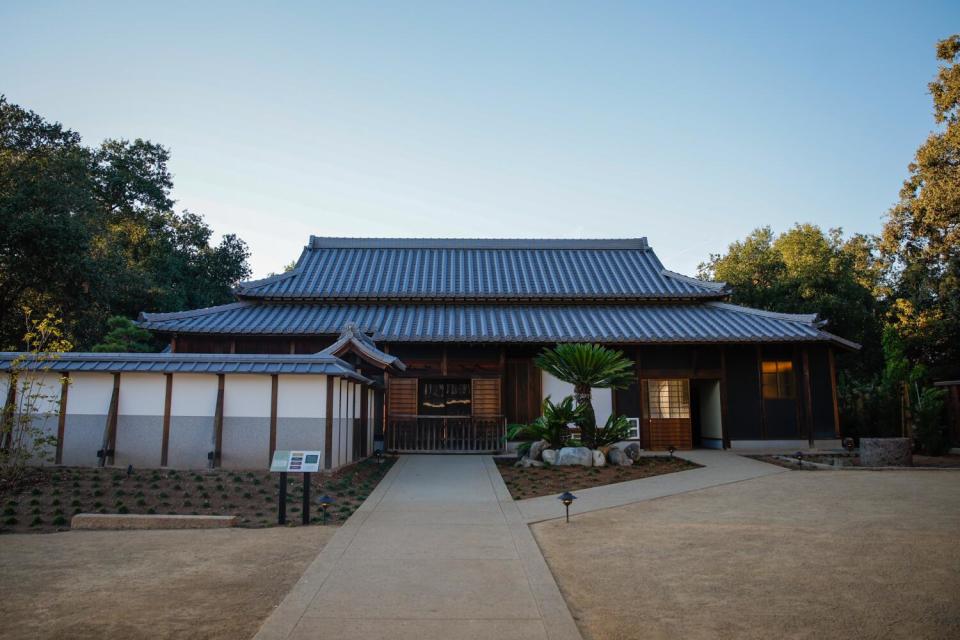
<point x="632" y="451"/>
<point x="536" y="449"/>
<point x="575" y="455"/>
<point x="619" y="457"/>
<point x="599" y="459"/>
<point x="885" y="452"/>
<point x="549" y="456"/>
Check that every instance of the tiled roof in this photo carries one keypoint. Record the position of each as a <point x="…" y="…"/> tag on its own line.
<point x="383" y="269"/>
<point x="544" y="323"/>
<point x="352" y="338"/>
<point x="185" y="363"/>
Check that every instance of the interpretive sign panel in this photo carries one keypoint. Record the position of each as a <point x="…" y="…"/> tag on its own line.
<point x="296" y="461"/>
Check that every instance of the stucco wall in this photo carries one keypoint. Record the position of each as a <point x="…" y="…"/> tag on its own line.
<point x="139" y="419"/>
<point x="246" y="421"/>
<point x="557" y="390"/>
<point x="88" y="403"/>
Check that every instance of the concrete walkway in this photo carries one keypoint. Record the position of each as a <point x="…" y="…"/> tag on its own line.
<point x="438" y="550"/>
<point x="719" y="467"/>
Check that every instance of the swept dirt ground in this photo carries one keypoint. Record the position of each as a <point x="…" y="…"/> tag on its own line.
<point x="826" y="554"/>
<point x="149" y="584"/>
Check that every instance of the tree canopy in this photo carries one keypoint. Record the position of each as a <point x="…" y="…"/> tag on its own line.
<point x="90" y="232"/>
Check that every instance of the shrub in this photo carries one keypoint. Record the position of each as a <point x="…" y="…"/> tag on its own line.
<point x="929" y="428"/>
<point x="616" y="429"/>
<point x="552" y="426"/>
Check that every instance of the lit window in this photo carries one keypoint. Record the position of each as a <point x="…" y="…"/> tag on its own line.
<point x="778" y="379"/>
<point x="667" y="398"/>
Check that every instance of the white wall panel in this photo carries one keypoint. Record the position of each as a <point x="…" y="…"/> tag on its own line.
<point x="248" y="396"/>
<point x="141" y="394"/>
<point x="194" y="394"/>
<point x="90" y="393"/>
<point x="557" y="390"/>
<point x="43" y="388"/>
<point x="301" y="396"/>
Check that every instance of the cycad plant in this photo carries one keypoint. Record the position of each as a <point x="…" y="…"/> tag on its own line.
<point x="552" y="426"/>
<point x="586" y="366"/>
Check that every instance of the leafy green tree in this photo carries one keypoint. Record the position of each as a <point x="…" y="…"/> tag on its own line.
<point x="921" y="237"/>
<point x="587" y="366"/>
<point x="91" y="232"/>
<point x="124" y="337"/>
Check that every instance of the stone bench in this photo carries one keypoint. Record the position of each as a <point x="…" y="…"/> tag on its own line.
<point x="142" y="521"/>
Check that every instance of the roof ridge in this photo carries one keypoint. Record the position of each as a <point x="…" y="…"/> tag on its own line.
<point x="191" y="313"/>
<point x="805" y="318"/>
<point x="341" y="242"/>
<point x="715" y="285"/>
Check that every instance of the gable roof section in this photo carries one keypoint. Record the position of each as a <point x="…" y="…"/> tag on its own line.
<point x="708" y="322"/>
<point x="352" y="339"/>
<point x="409" y="269"/>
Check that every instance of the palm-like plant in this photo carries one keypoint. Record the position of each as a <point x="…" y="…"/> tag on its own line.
<point x="586" y="366"/>
<point x="552" y="426"/>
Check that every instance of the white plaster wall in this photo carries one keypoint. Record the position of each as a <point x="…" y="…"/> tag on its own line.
<point x="90" y="393"/>
<point x="44" y="388"/>
<point x="557" y="390"/>
<point x="248" y="396"/>
<point x="300" y="396"/>
<point x="194" y="394"/>
<point x="141" y="394"/>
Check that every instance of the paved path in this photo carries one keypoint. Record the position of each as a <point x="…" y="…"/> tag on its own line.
<point x="719" y="467"/>
<point x="438" y="550"/>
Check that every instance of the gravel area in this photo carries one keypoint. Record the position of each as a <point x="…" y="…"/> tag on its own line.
<point x="832" y="554"/>
<point x="210" y="584"/>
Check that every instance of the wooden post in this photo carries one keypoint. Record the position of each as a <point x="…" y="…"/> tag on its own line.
<point x="808" y="396"/>
<point x="274" y="387"/>
<point x="62" y="417"/>
<point x="724" y="429"/>
<point x="328" y="431"/>
<point x="362" y="445"/>
<point x="110" y="428"/>
<point x="218" y="425"/>
<point x="9" y="409"/>
<point x="833" y="391"/>
<point x="165" y="442"/>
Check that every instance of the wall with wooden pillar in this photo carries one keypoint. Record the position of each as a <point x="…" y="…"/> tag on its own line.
<point x="139" y="437"/>
<point x="192" y="408"/>
<point x="87" y="410"/>
<point x="246" y="421"/>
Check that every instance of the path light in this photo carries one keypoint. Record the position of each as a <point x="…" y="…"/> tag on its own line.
<point x="799" y="456"/>
<point x="671" y="449"/>
<point x="849" y="444"/>
<point x="325" y="501"/>
<point x="129" y="470"/>
<point x="379" y="454"/>
<point x="567" y="499"/>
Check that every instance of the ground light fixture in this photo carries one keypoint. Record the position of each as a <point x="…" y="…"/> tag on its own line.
<point x="671" y="449"/>
<point x="129" y="470"/>
<point x="849" y="444"/>
<point x="324" y="502"/>
<point x="379" y="455"/>
<point x="567" y="499"/>
<point x="799" y="456"/>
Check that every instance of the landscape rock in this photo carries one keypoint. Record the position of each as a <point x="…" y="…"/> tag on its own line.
<point x="619" y="457"/>
<point x="527" y="463"/>
<point x="549" y="456"/>
<point x="885" y="452"/>
<point x="632" y="451"/>
<point x="536" y="449"/>
<point x="599" y="460"/>
<point x="575" y="455"/>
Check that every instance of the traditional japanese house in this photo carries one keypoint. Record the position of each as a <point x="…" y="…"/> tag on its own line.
<point x="467" y="317"/>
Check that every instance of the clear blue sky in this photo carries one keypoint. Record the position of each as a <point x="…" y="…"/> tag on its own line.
<point x="690" y="124"/>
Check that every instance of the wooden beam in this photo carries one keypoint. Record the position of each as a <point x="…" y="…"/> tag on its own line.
<point x="274" y="388"/>
<point x="763" y="403"/>
<point x="808" y="396"/>
<point x="443" y="361"/>
<point x="62" y="417"/>
<point x="110" y="428"/>
<point x="218" y="425"/>
<point x="833" y="391"/>
<point x="173" y="343"/>
<point x="328" y="431"/>
<point x="724" y="420"/>
<point x="165" y="442"/>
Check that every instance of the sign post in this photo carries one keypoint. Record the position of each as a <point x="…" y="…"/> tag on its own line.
<point x="305" y="462"/>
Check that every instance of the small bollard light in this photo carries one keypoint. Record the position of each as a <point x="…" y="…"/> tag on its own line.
<point x="379" y="455"/>
<point x="671" y="449"/>
<point x="567" y="499"/>
<point x="849" y="444"/>
<point x="129" y="470"/>
<point x="799" y="456"/>
<point x="325" y="501"/>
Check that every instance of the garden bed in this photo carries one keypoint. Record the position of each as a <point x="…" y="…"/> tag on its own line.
<point x="49" y="498"/>
<point x="533" y="482"/>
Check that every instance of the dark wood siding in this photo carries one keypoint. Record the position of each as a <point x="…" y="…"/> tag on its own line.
<point x="743" y="394"/>
<point x="522" y="392"/>
<point x="821" y="391"/>
<point x="486" y="397"/>
<point x="402" y="397"/>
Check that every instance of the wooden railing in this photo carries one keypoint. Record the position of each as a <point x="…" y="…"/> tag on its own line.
<point x="446" y="434"/>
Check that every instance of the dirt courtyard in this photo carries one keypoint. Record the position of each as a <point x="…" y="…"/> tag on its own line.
<point x="150" y="584"/>
<point x="830" y="554"/>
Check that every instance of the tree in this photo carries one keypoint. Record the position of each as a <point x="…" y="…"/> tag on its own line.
<point x="124" y="337"/>
<point x="92" y="232"/>
<point x="587" y="366"/>
<point x="921" y="237"/>
<point x="805" y="270"/>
